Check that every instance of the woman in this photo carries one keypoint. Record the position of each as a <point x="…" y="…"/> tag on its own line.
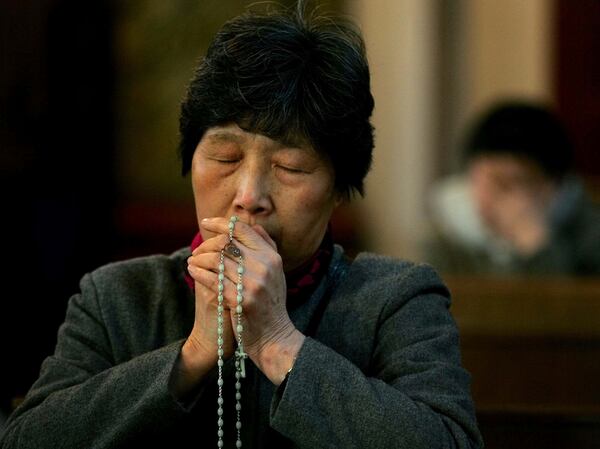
<point x="330" y="352"/>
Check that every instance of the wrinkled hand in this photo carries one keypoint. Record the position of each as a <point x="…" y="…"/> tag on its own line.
<point x="269" y="337"/>
<point x="203" y="337"/>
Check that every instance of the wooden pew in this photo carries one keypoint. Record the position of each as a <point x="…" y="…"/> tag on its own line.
<point x="532" y="346"/>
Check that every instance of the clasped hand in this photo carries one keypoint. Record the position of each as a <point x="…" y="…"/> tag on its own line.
<point x="267" y="327"/>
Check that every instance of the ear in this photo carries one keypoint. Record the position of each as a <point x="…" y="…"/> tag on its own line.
<point x="338" y="199"/>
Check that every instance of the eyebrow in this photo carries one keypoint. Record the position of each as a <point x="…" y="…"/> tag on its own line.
<point x="225" y="136"/>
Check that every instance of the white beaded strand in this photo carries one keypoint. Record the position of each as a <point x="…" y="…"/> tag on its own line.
<point x="220" y="287"/>
<point x="240" y="355"/>
<point x="240" y="369"/>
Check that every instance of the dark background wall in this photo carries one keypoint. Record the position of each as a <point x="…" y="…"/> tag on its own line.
<point x="578" y="82"/>
<point x="56" y="166"/>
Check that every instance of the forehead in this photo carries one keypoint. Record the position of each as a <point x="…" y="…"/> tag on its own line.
<point x="505" y="163"/>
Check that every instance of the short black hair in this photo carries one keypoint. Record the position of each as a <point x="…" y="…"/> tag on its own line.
<point x="526" y="130"/>
<point x="292" y="77"/>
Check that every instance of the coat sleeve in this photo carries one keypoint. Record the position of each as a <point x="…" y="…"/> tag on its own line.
<point x="83" y="399"/>
<point x="413" y="393"/>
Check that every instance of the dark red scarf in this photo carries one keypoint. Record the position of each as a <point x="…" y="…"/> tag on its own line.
<point x="302" y="281"/>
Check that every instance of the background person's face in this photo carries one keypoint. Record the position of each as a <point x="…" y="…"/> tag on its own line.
<point x="288" y="191"/>
<point x="503" y="185"/>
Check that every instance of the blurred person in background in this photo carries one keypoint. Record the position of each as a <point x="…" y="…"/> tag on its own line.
<point x="518" y="207"/>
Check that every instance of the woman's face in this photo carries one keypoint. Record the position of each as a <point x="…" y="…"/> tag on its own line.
<point x="289" y="191"/>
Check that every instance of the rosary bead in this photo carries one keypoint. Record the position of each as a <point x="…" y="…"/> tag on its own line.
<point x="231" y="249"/>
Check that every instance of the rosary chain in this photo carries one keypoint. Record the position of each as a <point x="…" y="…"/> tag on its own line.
<point x="240" y="355"/>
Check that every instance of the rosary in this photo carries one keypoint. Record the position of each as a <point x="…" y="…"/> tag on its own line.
<point x="240" y="355"/>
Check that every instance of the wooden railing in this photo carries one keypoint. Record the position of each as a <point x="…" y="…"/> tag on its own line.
<point x="532" y="346"/>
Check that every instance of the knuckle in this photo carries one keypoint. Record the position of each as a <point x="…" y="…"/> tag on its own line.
<point x="224" y="239"/>
<point x="255" y="287"/>
<point x="249" y="287"/>
<point x="262" y="271"/>
<point x="275" y="261"/>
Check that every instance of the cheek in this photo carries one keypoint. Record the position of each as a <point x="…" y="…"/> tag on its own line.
<point x="311" y="213"/>
<point x="316" y="196"/>
<point x="200" y="186"/>
<point x="210" y="191"/>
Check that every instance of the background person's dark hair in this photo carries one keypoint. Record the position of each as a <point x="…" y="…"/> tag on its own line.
<point x="293" y="78"/>
<point x="526" y="130"/>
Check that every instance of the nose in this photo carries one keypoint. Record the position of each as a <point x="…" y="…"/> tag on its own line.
<point x="253" y="194"/>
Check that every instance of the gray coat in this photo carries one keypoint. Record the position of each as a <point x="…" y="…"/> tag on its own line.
<point x="380" y="368"/>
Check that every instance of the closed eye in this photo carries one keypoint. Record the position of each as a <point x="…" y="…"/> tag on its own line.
<point x="226" y="161"/>
<point x="291" y="169"/>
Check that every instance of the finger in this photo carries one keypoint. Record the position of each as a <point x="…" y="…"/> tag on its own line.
<point x="213" y="244"/>
<point x="212" y="261"/>
<point x="204" y="277"/>
<point x="208" y="261"/>
<point x="210" y="280"/>
<point x="244" y="233"/>
<point x="265" y="235"/>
